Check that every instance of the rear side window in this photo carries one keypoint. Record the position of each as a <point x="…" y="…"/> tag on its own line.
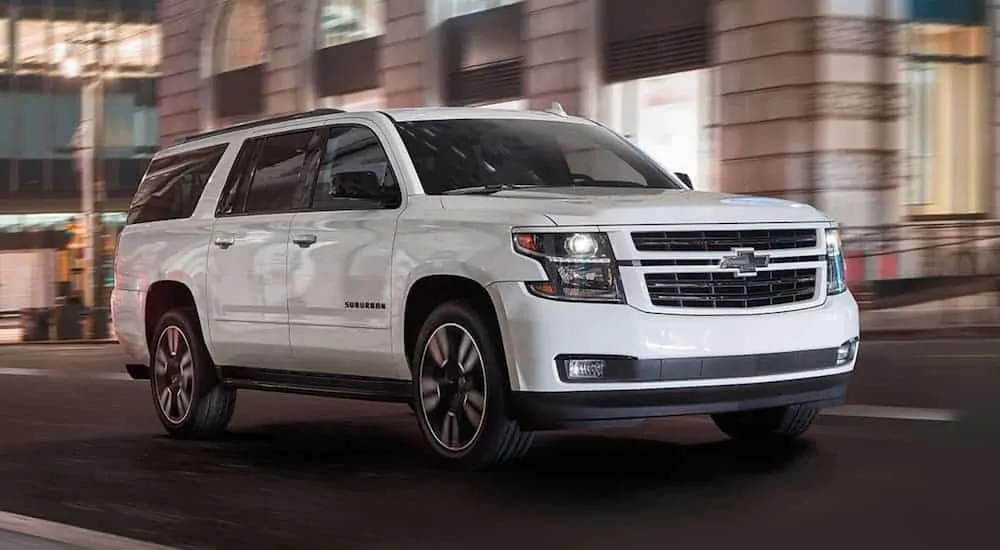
<point x="173" y="184"/>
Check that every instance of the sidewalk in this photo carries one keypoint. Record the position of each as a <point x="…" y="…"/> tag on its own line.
<point x="27" y="533"/>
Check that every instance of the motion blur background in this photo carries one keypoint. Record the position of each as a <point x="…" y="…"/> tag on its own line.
<point x="880" y="112"/>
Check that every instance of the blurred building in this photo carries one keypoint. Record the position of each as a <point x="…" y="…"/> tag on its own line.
<point x="43" y="50"/>
<point x="877" y="111"/>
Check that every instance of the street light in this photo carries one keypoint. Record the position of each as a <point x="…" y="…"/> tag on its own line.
<point x="71" y="65"/>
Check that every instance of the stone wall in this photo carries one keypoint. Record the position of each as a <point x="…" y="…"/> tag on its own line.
<point x="810" y="104"/>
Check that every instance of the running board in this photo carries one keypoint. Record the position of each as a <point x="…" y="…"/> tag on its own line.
<point x="320" y="384"/>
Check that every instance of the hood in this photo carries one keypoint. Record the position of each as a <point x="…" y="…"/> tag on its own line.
<point x="638" y="206"/>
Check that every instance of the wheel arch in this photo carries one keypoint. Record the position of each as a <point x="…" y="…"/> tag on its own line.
<point x="165" y="295"/>
<point x="429" y="291"/>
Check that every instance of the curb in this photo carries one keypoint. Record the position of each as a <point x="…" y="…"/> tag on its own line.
<point x="75" y="537"/>
<point x="957" y="332"/>
<point x="42" y="343"/>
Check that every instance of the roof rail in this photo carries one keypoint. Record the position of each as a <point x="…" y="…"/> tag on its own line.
<point x="260" y="122"/>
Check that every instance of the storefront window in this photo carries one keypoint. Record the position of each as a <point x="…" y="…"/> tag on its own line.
<point x="343" y="21"/>
<point x="242" y="37"/>
<point x="948" y="122"/>
<point x="446" y="9"/>
<point x="132" y="49"/>
<point x="32" y="43"/>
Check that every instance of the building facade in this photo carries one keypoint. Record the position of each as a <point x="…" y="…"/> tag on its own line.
<point x="876" y="111"/>
<point x="47" y="49"/>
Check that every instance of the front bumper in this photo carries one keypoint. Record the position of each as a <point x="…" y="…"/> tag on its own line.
<point x="668" y="351"/>
<point x="564" y="410"/>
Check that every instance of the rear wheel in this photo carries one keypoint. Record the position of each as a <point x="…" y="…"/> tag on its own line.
<point x="461" y="391"/>
<point x="189" y="400"/>
<point x="780" y="423"/>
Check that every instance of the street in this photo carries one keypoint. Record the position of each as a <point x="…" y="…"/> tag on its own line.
<point x="912" y="462"/>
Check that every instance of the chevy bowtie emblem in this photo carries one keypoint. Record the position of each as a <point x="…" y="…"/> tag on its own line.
<point x="745" y="261"/>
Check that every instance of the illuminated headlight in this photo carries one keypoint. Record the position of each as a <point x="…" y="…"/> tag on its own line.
<point x="835" y="270"/>
<point x="580" y="266"/>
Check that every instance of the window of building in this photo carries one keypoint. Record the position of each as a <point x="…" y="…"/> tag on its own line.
<point x="173" y="185"/>
<point x="242" y="38"/>
<point x="4" y="43"/>
<point x="367" y="100"/>
<point x="33" y="43"/>
<point x="446" y="9"/>
<point x="948" y="71"/>
<point x="666" y="116"/>
<point x="354" y="171"/>
<point x="279" y="180"/>
<point x="130" y="50"/>
<point x="343" y="21"/>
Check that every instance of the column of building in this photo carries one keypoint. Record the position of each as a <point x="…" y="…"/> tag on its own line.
<point x="810" y="111"/>
<point x="405" y="68"/>
<point x="180" y="84"/>
<point x="282" y="76"/>
<point x="561" y="55"/>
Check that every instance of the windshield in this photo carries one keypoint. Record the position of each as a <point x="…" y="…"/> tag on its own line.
<point x="494" y="154"/>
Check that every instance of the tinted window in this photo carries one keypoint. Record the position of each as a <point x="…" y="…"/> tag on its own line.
<point x="173" y="185"/>
<point x="279" y="182"/>
<point x="355" y="173"/>
<point x="456" y="154"/>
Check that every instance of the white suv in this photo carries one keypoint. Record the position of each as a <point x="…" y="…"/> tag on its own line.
<point x="502" y="272"/>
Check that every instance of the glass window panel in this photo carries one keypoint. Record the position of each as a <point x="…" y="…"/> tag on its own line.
<point x="4" y="42"/>
<point x="950" y="146"/>
<point x="949" y="40"/>
<point x="32" y="42"/>
<point x="455" y="8"/>
<point x="342" y="21"/>
<point x="242" y="40"/>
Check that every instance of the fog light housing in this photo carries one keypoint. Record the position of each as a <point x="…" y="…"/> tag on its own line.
<point x="585" y="369"/>
<point x="847" y="351"/>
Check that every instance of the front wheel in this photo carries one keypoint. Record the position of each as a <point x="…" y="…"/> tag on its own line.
<point x="780" y="423"/>
<point x="460" y="391"/>
<point x="188" y="398"/>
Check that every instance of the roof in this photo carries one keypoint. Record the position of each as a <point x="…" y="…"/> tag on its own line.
<point x="410" y="114"/>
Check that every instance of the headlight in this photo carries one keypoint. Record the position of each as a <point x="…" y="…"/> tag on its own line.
<point x="835" y="270"/>
<point x="580" y="266"/>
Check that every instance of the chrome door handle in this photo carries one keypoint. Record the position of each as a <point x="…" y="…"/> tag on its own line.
<point x="304" y="241"/>
<point x="225" y="242"/>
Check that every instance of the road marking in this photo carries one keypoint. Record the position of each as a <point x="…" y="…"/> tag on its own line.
<point x="964" y="356"/>
<point x="67" y="534"/>
<point x="894" y="413"/>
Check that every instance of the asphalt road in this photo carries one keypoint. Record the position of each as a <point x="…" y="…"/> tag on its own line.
<point x="913" y="462"/>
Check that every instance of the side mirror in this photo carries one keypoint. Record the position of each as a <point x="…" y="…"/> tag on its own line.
<point x="685" y="179"/>
<point x="360" y="185"/>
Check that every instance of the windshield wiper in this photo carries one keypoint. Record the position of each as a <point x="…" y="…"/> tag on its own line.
<point x="477" y="190"/>
<point x="488" y="189"/>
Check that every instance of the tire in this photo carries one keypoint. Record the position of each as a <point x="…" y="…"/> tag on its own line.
<point x="479" y="387"/>
<point x="781" y="423"/>
<point x="210" y="405"/>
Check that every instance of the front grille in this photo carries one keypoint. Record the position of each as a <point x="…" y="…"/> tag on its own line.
<point x="724" y="241"/>
<point x="725" y="290"/>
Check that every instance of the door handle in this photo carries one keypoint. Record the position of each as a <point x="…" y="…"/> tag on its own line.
<point x="304" y="241"/>
<point x="225" y="242"/>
